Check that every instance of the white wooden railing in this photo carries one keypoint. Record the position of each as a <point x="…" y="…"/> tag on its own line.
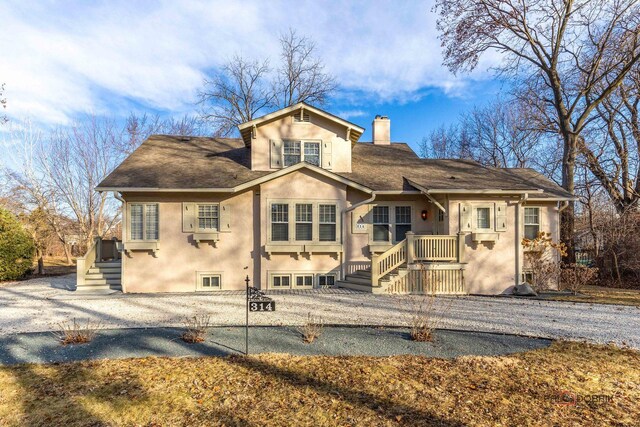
<point x="385" y="263"/>
<point x="438" y="279"/>
<point x="417" y="248"/>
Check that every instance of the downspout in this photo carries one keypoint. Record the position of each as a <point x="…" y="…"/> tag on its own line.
<point x="523" y="199"/>
<point x="345" y="223"/>
<point x="124" y="231"/>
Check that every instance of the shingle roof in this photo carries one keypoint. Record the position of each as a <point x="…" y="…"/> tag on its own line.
<point x="173" y="162"/>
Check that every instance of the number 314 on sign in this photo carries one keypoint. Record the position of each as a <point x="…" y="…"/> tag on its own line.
<point x="262" y="306"/>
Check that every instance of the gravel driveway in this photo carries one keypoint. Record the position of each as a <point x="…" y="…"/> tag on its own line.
<point x="40" y="304"/>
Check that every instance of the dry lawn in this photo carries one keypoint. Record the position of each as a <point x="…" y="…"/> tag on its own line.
<point x="517" y="390"/>
<point x="601" y="295"/>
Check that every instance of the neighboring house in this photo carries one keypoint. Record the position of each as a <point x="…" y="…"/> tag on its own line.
<point x="298" y="202"/>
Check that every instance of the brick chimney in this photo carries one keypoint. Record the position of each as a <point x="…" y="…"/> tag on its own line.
<point x="381" y="130"/>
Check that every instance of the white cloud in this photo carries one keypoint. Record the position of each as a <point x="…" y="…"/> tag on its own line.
<point x="62" y="59"/>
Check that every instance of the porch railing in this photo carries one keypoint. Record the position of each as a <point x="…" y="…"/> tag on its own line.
<point x="100" y="250"/>
<point x="417" y="248"/>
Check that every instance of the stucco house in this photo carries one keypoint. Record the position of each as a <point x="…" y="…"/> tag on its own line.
<point x="298" y="202"/>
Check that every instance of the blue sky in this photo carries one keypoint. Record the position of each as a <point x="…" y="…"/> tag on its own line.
<point x="63" y="59"/>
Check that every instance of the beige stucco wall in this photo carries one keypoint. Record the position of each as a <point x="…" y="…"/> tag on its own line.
<point x="173" y="268"/>
<point x="492" y="268"/>
<point x="299" y="186"/>
<point x="319" y="128"/>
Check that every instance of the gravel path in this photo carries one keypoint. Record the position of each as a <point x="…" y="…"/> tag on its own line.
<point x="42" y="347"/>
<point x="40" y="304"/>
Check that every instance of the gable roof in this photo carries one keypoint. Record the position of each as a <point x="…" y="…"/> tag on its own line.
<point x="246" y="128"/>
<point x="174" y="163"/>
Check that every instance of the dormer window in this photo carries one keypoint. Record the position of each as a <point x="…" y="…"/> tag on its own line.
<point x="301" y="151"/>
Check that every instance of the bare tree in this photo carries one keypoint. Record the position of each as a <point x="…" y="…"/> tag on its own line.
<point x="139" y="127"/>
<point x="498" y="134"/>
<point x="562" y="51"/>
<point x="3" y="103"/>
<point x="301" y="76"/>
<point x="244" y="88"/>
<point x="27" y="187"/>
<point x="611" y="147"/>
<point x="236" y="94"/>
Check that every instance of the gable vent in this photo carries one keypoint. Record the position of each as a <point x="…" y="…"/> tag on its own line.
<point x="301" y="117"/>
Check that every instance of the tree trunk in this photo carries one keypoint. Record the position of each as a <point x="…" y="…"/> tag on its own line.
<point x="40" y="270"/>
<point x="567" y="220"/>
<point x="67" y="253"/>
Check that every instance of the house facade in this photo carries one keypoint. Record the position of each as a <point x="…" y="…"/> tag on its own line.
<point x="299" y="203"/>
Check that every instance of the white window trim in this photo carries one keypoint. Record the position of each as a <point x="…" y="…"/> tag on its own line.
<point x="293" y="274"/>
<point x="315" y="221"/>
<point x="302" y="142"/>
<point x="524" y="218"/>
<point x="144" y="221"/>
<point x="201" y="274"/>
<point x="206" y="230"/>
<point x="279" y="274"/>
<point x="392" y="221"/>
<point x="318" y="276"/>
<point x="474" y="217"/>
<point x="294" y="284"/>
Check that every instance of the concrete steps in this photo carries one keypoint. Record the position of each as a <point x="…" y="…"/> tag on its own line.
<point x="103" y="276"/>
<point x="360" y="280"/>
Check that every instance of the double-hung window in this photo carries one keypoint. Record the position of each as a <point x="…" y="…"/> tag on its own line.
<point x="403" y="222"/>
<point x="208" y="217"/>
<point x="531" y="223"/>
<point x="143" y="221"/>
<point x="381" y="225"/>
<point x="483" y="218"/>
<point x="327" y="226"/>
<point x="304" y="222"/>
<point x="312" y="153"/>
<point x="280" y="222"/>
<point x="301" y="151"/>
<point x="291" y="153"/>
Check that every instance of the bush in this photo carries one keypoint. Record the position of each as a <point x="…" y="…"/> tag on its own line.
<point x="76" y="333"/>
<point x="574" y="277"/>
<point x="312" y="329"/>
<point x="196" y="328"/>
<point x="542" y="258"/>
<point x="17" y="248"/>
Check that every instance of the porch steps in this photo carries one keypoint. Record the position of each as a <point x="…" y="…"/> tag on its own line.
<point x="103" y="276"/>
<point x="360" y="280"/>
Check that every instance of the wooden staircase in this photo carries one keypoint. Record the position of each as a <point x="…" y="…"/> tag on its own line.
<point x="417" y="264"/>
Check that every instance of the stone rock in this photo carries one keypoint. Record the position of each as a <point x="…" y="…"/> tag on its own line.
<point x="524" y="290"/>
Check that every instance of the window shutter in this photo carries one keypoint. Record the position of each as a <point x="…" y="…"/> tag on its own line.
<point x="225" y="218"/>
<point x="466" y="217"/>
<point x="276" y="153"/>
<point x="501" y="216"/>
<point x="189" y="217"/>
<point x="327" y="159"/>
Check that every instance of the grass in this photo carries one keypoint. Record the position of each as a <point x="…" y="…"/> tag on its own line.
<point x="602" y="295"/>
<point x="286" y="390"/>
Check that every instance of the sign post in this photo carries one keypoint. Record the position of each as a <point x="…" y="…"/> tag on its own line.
<point x="256" y="301"/>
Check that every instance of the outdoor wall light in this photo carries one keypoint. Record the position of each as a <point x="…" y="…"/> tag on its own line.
<point x="423" y="214"/>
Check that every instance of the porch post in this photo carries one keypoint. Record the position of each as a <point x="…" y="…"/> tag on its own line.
<point x="375" y="269"/>
<point x="461" y="247"/>
<point x="411" y="250"/>
<point x="98" y="241"/>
